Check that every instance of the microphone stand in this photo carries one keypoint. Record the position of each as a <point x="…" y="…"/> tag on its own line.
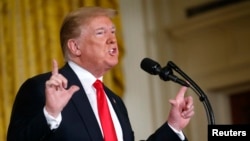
<point x="202" y="96"/>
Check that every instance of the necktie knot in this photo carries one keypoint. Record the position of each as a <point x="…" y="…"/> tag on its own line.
<point x="98" y="84"/>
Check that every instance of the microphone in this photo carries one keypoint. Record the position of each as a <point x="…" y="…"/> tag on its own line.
<point x="164" y="73"/>
<point x="150" y="66"/>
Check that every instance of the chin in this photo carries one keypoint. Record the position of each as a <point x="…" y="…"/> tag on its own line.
<point x="113" y="63"/>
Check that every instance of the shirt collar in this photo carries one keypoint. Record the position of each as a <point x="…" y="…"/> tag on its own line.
<point x="86" y="78"/>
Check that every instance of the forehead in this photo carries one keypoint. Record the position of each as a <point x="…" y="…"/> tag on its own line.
<point x="99" y="21"/>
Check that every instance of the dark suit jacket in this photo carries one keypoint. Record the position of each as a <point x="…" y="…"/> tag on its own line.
<point x="28" y="122"/>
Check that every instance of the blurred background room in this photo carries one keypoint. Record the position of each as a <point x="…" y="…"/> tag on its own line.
<point x="208" y="39"/>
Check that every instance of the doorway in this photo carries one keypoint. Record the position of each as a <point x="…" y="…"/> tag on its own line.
<point x="240" y="107"/>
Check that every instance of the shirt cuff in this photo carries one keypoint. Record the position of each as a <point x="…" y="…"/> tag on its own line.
<point x="179" y="133"/>
<point x="52" y="122"/>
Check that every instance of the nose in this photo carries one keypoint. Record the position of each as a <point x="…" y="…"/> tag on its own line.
<point x="112" y="39"/>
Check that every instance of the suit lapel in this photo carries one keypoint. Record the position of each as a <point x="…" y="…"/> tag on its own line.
<point x="81" y="103"/>
<point x="84" y="108"/>
<point x="123" y="119"/>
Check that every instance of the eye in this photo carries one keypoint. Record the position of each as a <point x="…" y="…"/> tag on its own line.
<point x="99" y="32"/>
<point x="113" y="30"/>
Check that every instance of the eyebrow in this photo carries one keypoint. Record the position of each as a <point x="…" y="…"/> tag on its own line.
<point x="102" y="28"/>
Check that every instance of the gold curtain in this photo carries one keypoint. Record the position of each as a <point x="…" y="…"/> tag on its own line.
<point x="29" y="40"/>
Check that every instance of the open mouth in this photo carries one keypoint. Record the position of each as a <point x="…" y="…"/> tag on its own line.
<point x="112" y="51"/>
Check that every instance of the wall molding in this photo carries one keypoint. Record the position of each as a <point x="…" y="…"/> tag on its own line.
<point x="212" y="18"/>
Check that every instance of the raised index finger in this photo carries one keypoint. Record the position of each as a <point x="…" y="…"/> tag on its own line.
<point x="181" y="93"/>
<point x="54" y="67"/>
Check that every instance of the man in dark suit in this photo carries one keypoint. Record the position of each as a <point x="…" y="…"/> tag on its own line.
<point x="61" y="105"/>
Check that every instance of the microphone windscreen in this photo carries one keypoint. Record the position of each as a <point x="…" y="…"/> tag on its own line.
<point x="150" y="66"/>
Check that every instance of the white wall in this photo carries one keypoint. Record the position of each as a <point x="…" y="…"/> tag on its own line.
<point x="137" y="93"/>
<point x="146" y="96"/>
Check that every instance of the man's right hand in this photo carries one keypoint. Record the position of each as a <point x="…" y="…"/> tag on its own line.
<point x="56" y="92"/>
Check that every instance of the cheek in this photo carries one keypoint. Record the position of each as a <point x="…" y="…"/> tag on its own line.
<point x="94" y="47"/>
<point x="92" y="52"/>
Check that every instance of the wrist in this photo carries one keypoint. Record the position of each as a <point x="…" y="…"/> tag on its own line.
<point x="173" y="124"/>
<point x="53" y="114"/>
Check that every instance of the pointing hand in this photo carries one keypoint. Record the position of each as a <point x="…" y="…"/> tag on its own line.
<point x="57" y="94"/>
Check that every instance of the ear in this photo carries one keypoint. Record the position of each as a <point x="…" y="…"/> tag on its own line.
<point x="74" y="47"/>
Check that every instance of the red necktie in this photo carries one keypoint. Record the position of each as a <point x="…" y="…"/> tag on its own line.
<point x="104" y="114"/>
